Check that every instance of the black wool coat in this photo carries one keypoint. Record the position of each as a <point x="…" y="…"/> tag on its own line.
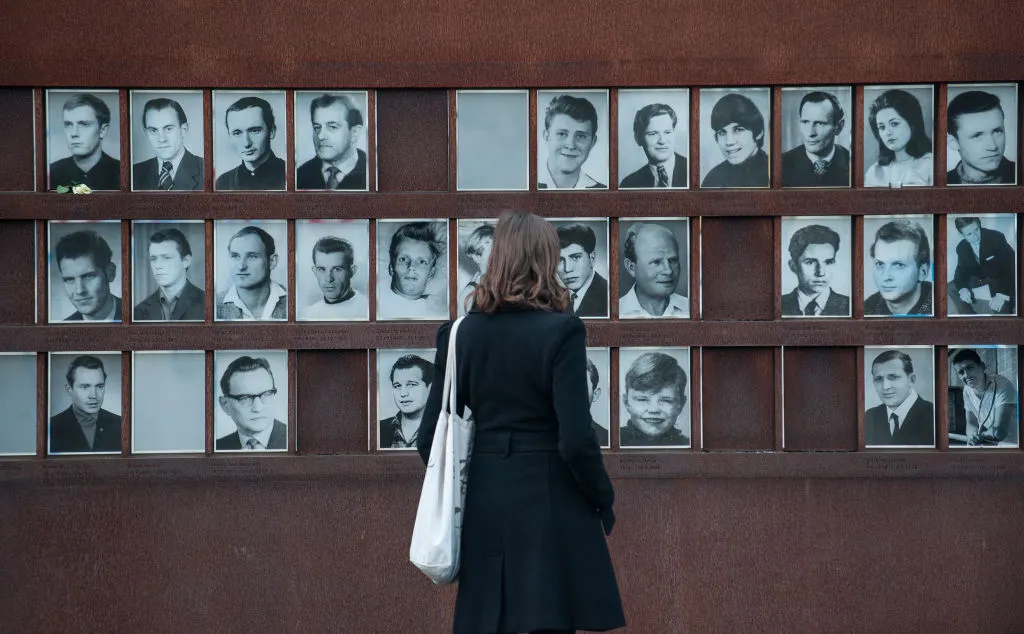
<point x="534" y="554"/>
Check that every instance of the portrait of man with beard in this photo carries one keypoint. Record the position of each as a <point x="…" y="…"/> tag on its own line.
<point x="416" y="282"/>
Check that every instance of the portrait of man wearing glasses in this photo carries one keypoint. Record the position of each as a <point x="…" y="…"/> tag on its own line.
<point x="248" y="394"/>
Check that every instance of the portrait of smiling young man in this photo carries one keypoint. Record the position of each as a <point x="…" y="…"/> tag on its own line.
<point x="404" y="378"/>
<point x="573" y="130"/>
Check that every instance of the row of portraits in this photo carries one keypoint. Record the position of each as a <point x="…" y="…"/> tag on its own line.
<point x="572" y="127"/>
<point x="251" y="399"/>
<point x="331" y="260"/>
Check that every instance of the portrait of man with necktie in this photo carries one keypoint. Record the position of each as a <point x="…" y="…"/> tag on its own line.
<point x="817" y="266"/>
<point x="330" y="146"/>
<point x="815" y="137"/>
<point x="897" y="385"/>
<point x="253" y="399"/>
<point x="165" y="126"/>
<point x="654" y="140"/>
<point x="582" y="260"/>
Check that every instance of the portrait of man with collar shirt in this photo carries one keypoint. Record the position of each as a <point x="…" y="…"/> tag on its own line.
<point x="85" y="266"/>
<point x="408" y="379"/>
<point x="898" y="263"/>
<point x="981" y="129"/>
<point x="243" y="152"/>
<point x="252" y="398"/>
<point x="84" y="138"/>
<point x="903" y="416"/>
<point x="578" y="265"/>
<point x="335" y="133"/>
<point x="166" y="126"/>
<point x="818" y="258"/>
<point x="168" y="256"/>
<point x="817" y="119"/>
<point x="569" y="135"/>
<point x="250" y="259"/>
<point x="655" y="130"/>
<point x="653" y="260"/>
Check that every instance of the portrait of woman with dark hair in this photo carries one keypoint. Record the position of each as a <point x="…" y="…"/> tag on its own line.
<point x="740" y="133"/>
<point x="905" y="159"/>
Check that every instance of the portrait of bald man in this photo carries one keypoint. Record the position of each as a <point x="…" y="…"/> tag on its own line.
<point x="654" y="268"/>
<point x="83" y="144"/>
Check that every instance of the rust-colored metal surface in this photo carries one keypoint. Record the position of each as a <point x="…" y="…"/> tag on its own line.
<point x="412" y="140"/>
<point x="736" y="270"/>
<point x="17" y="161"/>
<point x="332" y="397"/>
<point x="18" y="281"/>
<point x="820" y="413"/>
<point x="739" y="395"/>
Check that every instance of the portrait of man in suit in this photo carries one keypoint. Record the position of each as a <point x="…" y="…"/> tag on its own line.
<point x="416" y="284"/>
<point x="588" y="291"/>
<point x="593" y="380"/>
<point x="985" y="279"/>
<point x="337" y="125"/>
<point x="172" y="167"/>
<point x="818" y="161"/>
<point x="333" y="266"/>
<point x="900" y="263"/>
<point x="85" y="427"/>
<point x="251" y="125"/>
<point x="570" y="134"/>
<point x="248" y="392"/>
<point x="87" y="269"/>
<point x="86" y="122"/>
<point x="650" y="254"/>
<point x="253" y="295"/>
<point x="903" y="417"/>
<point x="653" y="396"/>
<point x="176" y="298"/>
<point x="410" y="379"/>
<point x="976" y="129"/>
<point x="812" y="258"/>
<point x="654" y="130"/>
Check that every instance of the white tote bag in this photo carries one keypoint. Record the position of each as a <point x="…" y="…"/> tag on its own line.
<point x="438" y="529"/>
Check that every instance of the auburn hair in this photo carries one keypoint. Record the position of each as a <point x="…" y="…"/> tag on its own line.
<point x="523" y="267"/>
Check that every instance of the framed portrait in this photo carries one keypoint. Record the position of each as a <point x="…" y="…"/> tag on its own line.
<point x="168" y="270"/>
<point x="167" y="129"/>
<point x="981" y="264"/>
<point x="250" y="261"/>
<point x="475" y="239"/>
<point x="981" y="134"/>
<point x="404" y="378"/>
<point x="18" y="393"/>
<point x="816" y="266"/>
<point x="252" y="392"/>
<point x="332" y="270"/>
<point x="984" y="397"/>
<point x="572" y="139"/>
<point x="898" y="266"/>
<point x="169" y="401"/>
<point x="84" y="403"/>
<point x="654" y="268"/>
<point x="331" y="140"/>
<point x="412" y="269"/>
<point x="583" y="264"/>
<point x="84" y="271"/>
<point x="492" y="140"/>
<point x="599" y="367"/>
<point x="899" y="394"/>
<point x="247" y="145"/>
<point x="654" y="385"/>
<point x="654" y="138"/>
<point x="817" y="136"/>
<point x="83" y="138"/>
<point x="735" y="137"/>
<point x="899" y="130"/>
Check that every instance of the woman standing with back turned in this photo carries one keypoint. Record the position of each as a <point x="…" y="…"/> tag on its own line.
<point x="534" y="557"/>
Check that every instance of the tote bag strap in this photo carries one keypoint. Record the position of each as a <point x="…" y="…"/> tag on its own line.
<point x="450" y="379"/>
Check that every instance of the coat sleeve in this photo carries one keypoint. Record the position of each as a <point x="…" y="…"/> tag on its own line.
<point x="577" y="442"/>
<point x="425" y="436"/>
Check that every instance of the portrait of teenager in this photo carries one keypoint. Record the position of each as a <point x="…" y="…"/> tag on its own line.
<point x="535" y="453"/>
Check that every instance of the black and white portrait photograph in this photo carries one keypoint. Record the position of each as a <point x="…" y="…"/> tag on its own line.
<point x="572" y="139"/>
<point x="898" y="270"/>
<point x="85" y="403"/>
<point x="981" y="264"/>
<point x="332" y="270"/>
<point x="654" y="268"/>
<point x="493" y="140"/>
<point x="84" y="271"/>
<point x="475" y="239"/>
<point x="599" y="368"/>
<point x="817" y="134"/>
<point x="583" y="264"/>
<point x="983" y="397"/>
<point x="653" y="387"/>
<point x="654" y="138"/>
<point x="899" y="396"/>
<point x="248" y="149"/>
<point x="250" y="272"/>
<point x="735" y="137"/>
<point x="18" y="394"/>
<point x="251" y="413"/>
<point x="83" y="138"/>
<point x="167" y="140"/>
<point x="981" y="134"/>
<point x="899" y="125"/>
<point x="331" y="140"/>
<point x="404" y="378"/>
<point x="169" y="401"/>
<point x="168" y="270"/>
<point x="817" y="266"/>
<point x="412" y="269"/>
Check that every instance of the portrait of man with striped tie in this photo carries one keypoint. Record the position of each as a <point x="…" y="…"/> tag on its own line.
<point x="330" y="145"/>
<point x="815" y="137"/>
<point x="253" y="400"/>
<point x="817" y="266"/>
<point x="163" y="125"/>
<point x="654" y="141"/>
